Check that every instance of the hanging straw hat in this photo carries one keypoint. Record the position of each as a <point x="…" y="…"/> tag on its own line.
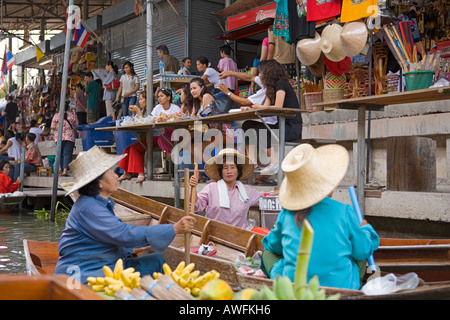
<point x="213" y="164"/>
<point x="91" y="164"/>
<point x="318" y="68"/>
<point x="308" y="50"/>
<point x="311" y="174"/>
<point x="330" y="42"/>
<point x="353" y="38"/>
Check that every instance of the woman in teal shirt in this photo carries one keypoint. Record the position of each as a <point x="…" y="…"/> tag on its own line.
<point x="339" y="240"/>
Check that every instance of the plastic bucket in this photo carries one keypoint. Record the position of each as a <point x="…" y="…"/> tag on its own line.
<point x="416" y="80"/>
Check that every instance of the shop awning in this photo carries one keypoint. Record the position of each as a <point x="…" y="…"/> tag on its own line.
<point x="249" y="22"/>
<point x="246" y="31"/>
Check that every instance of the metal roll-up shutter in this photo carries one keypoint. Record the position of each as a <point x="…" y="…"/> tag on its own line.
<point x="127" y="41"/>
<point x="204" y="28"/>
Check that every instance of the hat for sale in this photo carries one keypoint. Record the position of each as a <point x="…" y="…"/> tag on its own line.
<point x="308" y="50"/>
<point x="330" y="42"/>
<point x="353" y="38"/>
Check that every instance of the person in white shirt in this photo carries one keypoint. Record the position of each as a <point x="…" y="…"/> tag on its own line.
<point x="36" y="130"/>
<point x="129" y="85"/>
<point x="187" y="64"/>
<point x="210" y="74"/>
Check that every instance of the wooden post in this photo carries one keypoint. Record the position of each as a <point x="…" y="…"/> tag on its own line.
<point x="411" y="164"/>
<point x="187" y="236"/>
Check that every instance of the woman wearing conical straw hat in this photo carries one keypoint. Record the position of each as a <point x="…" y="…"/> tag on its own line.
<point x="94" y="236"/>
<point x="227" y="199"/>
<point x="339" y="241"/>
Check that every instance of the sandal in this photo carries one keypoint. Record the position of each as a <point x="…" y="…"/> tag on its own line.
<point x="140" y="178"/>
<point x="124" y="177"/>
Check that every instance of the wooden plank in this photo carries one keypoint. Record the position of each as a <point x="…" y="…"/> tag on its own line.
<point x="411" y="164"/>
<point x="433" y="94"/>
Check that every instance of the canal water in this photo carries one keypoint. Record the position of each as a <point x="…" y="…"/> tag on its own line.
<point x="19" y="225"/>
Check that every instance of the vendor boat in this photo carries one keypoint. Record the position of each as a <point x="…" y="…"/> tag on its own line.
<point x="8" y="203"/>
<point x="230" y="243"/>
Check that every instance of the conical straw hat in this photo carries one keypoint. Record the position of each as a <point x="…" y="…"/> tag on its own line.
<point x="213" y="164"/>
<point x="91" y="164"/>
<point x="330" y="42"/>
<point x="311" y="174"/>
<point x="353" y="38"/>
<point x="308" y="50"/>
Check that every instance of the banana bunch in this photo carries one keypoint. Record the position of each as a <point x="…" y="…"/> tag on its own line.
<point x="113" y="281"/>
<point x="189" y="280"/>
<point x="283" y="289"/>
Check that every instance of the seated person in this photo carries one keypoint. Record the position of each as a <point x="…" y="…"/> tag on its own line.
<point x="227" y="199"/>
<point x="33" y="158"/>
<point x="133" y="163"/>
<point x="6" y="184"/>
<point x="340" y="241"/>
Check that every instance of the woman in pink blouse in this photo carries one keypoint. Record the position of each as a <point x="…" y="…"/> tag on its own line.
<point x="68" y="138"/>
<point x="227" y="199"/>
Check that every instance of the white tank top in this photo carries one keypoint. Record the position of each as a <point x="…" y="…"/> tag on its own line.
<point x="14" y="150"/>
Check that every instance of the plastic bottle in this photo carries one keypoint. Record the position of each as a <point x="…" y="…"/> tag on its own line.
<point x="161" y="66"/>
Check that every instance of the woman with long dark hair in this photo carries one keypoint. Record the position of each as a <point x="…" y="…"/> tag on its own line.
<point x="279" y="94"/>
<point x="129" y="85"/>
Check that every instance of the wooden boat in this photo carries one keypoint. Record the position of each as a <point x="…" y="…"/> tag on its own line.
<point x="229" y="241"/>
<point x="8" y="203"/>
<point x="43" y="287"/>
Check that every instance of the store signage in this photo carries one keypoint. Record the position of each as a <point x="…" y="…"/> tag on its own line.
<point x="251" y="16"/>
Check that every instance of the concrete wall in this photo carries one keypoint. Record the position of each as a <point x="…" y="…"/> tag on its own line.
<point x="430" y="120"/>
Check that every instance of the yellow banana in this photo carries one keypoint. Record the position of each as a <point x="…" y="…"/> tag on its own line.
<point x="100" y="280"/>
<point x="135" y="282"/>
<point x="195" y="291"/>
<point x="185" y="274"/>
<point x="190" y="282"/>
<point x="195" y="274"/>
<point x="115" y="287"/>
<point x="108" y="272"/>
<point x="118" y="269"/>
<point x="182" y="282"/>
<point x="124" y="277"/>
<point x="180" y="267"/>
<point x="97" y="287"/>
<point x="92" y="280"/>
<point x="109" y="280"/>
<point x="200" y="281"/>
<point x="156" y="275"/>
<point x="188" y="290"/>
<point x="189" y="267"/>
<point x="109" y="292"/>
<point x="167" y="269"/>
<point x="175" y="277"/>
<point x="128" y="271"/>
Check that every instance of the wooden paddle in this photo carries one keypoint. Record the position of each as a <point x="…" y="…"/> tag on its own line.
<point x="187" y="235"/>
<point x="188" y="201"/>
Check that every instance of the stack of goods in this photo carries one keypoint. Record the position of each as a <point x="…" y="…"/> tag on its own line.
<point x="333" y="88"/>
<point x="180" y="284"/>
<point x="418" y="74"/>
<point x="312" y="93"/>
<point x="116" y="280"/>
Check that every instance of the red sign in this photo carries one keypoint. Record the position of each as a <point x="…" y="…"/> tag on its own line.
<point x="252" y="16"/>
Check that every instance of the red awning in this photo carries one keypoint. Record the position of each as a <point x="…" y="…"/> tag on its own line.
<point x="251" y="29"/>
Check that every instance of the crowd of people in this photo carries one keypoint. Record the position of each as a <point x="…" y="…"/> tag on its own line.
<point x="311" y="175"/>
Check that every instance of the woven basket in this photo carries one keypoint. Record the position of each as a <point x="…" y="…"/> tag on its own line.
<point x="313" y="97"/>
<point x="332" y="94"/>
